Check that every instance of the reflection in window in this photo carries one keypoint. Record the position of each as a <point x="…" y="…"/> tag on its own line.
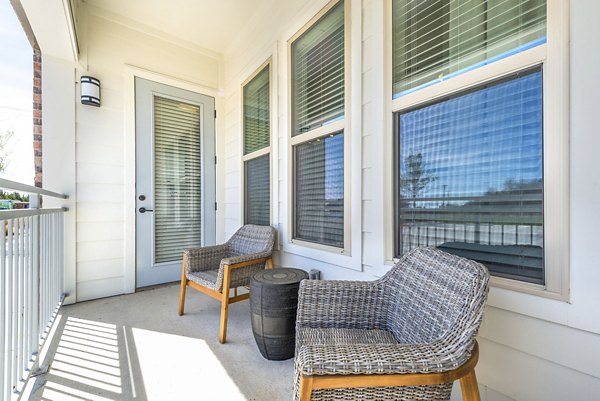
<point x="319" y="186"/>
<point x="470" y="177"/>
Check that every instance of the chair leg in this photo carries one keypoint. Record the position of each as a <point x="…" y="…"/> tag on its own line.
<point x="225" y="304"/>
<point x="469" y="388"/>
<point x="183" y="288"/>
<point x="224" y="313"/>
<point x="305" y="388"/>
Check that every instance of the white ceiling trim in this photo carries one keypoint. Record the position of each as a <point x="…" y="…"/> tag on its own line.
<point x="150" y="31"/>
<point x="53" y="27"/>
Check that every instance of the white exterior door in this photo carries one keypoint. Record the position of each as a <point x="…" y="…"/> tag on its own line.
<point x="175" y="178"/>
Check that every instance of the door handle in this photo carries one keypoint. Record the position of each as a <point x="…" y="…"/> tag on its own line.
<point x="144" y="210"/>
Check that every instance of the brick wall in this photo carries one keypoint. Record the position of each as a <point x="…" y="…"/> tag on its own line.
<point x="37" y="116"/>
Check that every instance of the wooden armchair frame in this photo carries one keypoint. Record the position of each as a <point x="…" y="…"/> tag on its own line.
<point x="224" y="296"/>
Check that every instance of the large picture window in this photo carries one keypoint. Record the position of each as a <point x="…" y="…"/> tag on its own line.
<point x="480" y="102"/>
<point x="470" y="177"/>
<point x="257" y="142"/>
<point x="317" y="130"/>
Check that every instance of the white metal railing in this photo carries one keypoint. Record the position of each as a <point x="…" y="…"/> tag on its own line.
<point x="31" y="284"/>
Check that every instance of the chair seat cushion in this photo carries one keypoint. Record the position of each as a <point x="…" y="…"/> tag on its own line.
<point x="333" y="336"/>
<point x="326" y="336"/>
<point x="206" y="278"/>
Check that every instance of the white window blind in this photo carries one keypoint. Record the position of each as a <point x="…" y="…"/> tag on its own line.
<point x="258" y="191"/>
<point x="317" y="59"/>
<point x="437" y="39"/>
<point x="177" y="178"/>
<point x="256" y="112"/>
<point x="319" y="190"/>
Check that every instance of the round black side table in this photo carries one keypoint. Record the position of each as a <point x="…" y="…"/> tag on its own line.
<point x="273" y="306"/>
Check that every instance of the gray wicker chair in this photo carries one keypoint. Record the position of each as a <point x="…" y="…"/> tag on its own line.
<point x="406" y="336"/>
<point x="214" y="270"/>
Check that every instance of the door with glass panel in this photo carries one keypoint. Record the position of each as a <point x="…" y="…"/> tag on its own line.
<point x="175" y="178"/>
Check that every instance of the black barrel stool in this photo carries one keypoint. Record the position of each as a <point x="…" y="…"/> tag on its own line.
<point x="273" y="306"/>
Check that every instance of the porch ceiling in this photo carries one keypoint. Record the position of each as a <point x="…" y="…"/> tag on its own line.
<point x="210" y="24"/>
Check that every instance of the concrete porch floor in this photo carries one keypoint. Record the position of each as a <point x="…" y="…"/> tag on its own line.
<point x="136" y="347"/>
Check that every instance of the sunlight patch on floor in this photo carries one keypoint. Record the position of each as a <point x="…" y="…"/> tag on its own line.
<point x="181" y="368"/>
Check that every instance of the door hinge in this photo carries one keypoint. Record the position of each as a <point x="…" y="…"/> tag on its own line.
<point x="215" y="159"/>
<point x="215" y="205"/>
<point x="215" y="113"/>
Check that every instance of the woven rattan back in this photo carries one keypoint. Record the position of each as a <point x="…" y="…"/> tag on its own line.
<point x="251" y="239"/>
<point x="431" y="294"/>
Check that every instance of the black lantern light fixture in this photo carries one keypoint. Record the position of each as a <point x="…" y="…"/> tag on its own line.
<point x="90" y="90"/>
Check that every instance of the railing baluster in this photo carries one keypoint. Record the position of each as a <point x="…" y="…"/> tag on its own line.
<point x="9" y="311"/>
<point x="55" y="250"/>
<point x="35" y="265"/>
<point x="42" y="277"/>
<point x="21" y="310"/>
<point x="27" y="309"/>
<point x="47" y="276"/>
<point x="61" y="235"/>
<point x="31" y="287"/>
<point x="3" y="309"/>
<point x="14" y="305"/>
<point x="25" y="318"/>
<point x="50" y="299"/>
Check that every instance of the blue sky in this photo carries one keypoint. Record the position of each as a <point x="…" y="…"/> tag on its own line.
<point x="16" y="80"/>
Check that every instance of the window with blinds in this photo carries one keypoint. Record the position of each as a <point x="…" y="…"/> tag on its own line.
<point x="177" y="178"/>
<point x="257" y="116"/>
<point x="437" y="39"/>
<point x="317" y="67"/>
<point x="318" y="102"/>
<point x="257" y="138"/>
<point x="319" y="190"/>
<point x="470" y="177"/>
<point x="258" y="191"/>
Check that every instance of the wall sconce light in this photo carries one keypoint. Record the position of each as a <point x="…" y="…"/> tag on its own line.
<point x="90" y="91"/>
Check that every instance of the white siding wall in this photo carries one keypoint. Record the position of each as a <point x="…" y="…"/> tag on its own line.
<point x="58" y="147"/>
<point x="103" y="265"/>
<point x="531" y="348"/>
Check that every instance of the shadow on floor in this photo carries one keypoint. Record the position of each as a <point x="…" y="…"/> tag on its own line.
<point x="136" y="347"/>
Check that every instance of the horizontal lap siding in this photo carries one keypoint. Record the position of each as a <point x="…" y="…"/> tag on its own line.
<point x="524" y="358"/>
<point x="100" y="150"/>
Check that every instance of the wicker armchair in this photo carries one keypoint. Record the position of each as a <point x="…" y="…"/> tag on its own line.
<point x="214" y="270"/>
<point x="406" y="336"/>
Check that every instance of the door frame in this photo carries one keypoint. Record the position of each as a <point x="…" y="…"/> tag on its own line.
<point x="129" y="238"/>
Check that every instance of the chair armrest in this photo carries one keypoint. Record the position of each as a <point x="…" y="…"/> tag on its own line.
<point x="341" y="304"/>
<point x="238" y="270"/>
<point x="205" y="258"/>
<point x="234" y="260"/>
<point x="436" y="357"/>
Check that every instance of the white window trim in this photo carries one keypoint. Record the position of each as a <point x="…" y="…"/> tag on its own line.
<point x="345" y="125"/>
<point x="554" y="57"/>
<point x="261" y="152"/>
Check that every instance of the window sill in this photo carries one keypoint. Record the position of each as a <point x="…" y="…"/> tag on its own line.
<point x="527" y="288"/>
<point x="323" y="253"/>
